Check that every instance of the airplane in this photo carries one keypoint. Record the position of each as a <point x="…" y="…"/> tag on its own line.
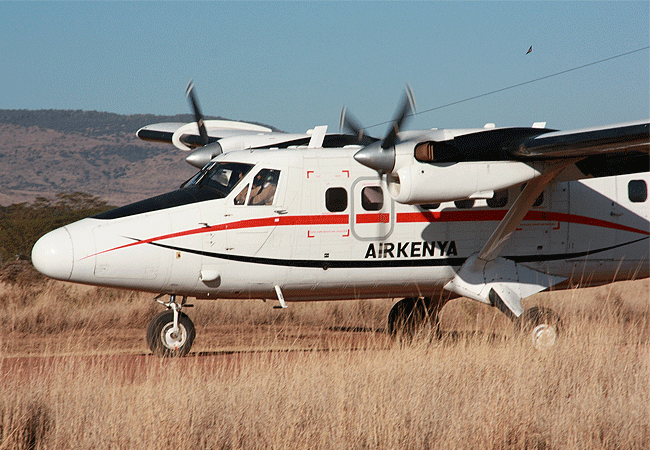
<point x="492" y="214"/>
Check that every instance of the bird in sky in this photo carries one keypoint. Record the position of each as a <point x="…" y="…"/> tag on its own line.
<point x="530" y="49"/>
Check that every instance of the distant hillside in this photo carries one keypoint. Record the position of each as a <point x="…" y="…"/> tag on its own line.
<point x="86" y="123"/>
<point x="45" y="152"/>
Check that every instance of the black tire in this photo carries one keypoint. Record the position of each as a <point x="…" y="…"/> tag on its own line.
<point x="542" y="325"/>
<point x="160" y="340"/>
<point x="410" y="316"/>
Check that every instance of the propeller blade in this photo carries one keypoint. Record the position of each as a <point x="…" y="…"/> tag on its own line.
<point x="350" y="123"/>
<point x="406" y="110"/>
<point x="189" y="91"/>
<point x="381" y="155"/>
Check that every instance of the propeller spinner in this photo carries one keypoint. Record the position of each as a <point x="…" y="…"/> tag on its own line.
<point x="381" y="155"/>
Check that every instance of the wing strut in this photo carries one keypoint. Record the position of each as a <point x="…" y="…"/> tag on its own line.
<point x="499" y="282"/>
<point x="518" y="210"/>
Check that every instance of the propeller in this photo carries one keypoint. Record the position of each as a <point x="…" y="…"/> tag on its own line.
<point x="189" y="91"/>
<point x="204" y="154"/>
<point x="381" y="155"/>
<point x="347" y="122"/>
<point x="407" y="109"/>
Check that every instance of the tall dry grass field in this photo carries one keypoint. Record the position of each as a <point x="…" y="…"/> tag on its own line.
<point x="321" y="376"/>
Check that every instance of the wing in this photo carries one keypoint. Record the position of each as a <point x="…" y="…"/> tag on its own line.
<point x="600" y="151"/>
<point x="621" y="138"/>
<point x="186" y="136"/>
<point x="159" y="132"/>
<point x="603" y="151"/>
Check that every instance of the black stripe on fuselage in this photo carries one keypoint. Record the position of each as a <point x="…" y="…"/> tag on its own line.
<point x="375" y="263"/>
<point x="323" y="264"/>
<point x="560" y="256"/>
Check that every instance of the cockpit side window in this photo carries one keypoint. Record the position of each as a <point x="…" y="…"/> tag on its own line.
<point x="264" y="186"/>
<point x="221" y="177"/>
<point x="240" y="199"/>
<point x="215" y="181"/>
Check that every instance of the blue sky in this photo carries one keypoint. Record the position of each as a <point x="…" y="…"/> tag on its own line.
<point x="294" y="64"/>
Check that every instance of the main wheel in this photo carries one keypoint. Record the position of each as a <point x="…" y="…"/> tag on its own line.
<point x="163" y="341"/>
<point x="409" y="316"/>
<point x="543" y="326"/>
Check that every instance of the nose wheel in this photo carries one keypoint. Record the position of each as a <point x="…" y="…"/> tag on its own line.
<point x="171" y="332"/>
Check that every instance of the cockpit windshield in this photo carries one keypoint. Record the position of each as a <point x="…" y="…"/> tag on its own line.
<point x="219" y="176"/>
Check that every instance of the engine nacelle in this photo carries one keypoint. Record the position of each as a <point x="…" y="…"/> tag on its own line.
<point x="419" y="183"/>
<point x="221" y="128"/>
<point x="203" y="155"/>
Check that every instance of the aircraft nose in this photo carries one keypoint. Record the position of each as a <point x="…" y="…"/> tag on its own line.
<point x="52" y="254"/>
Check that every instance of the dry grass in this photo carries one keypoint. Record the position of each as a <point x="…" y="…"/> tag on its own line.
<point x="337" y="383"/>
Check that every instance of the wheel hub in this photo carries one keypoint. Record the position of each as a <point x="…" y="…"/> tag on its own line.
<point x="173" y="340"/>
<point x="544" y="336"/>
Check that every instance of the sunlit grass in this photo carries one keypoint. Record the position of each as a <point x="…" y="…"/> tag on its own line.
<point x="325" y="376"/>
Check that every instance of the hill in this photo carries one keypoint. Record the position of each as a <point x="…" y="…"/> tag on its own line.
<point x="45" y="152"/>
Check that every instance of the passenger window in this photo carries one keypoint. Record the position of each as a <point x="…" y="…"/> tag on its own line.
<point x="372" y="198"/>
<point x="336" y="199"/>
<point x="430" y="206"/>
<point x="637" y="191"/>
<point x="464" y="204"/>
<point x="499" y="200"/>
<point x="241" y="197"/>
<point x="264" y="186"/>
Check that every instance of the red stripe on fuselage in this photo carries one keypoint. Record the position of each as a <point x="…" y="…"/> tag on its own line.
<point x="373" y="218"/>
<point x="451" y="216"/>
<point x="326" y="219"/>
<point x="367" y="218"/>
<point x="498" y="215"/>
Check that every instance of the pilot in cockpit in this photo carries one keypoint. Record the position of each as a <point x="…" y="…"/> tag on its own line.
<point x="264" y="187"/>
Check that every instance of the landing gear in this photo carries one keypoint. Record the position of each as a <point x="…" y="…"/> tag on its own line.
<point x="171" y="332"/>
<point x="543" y="326"/>
<point x="410" y="316"/>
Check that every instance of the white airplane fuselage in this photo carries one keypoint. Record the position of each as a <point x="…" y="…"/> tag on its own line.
<point x="334" y="232"/>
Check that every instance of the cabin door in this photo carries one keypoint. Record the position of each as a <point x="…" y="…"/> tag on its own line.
<point x="372" y="214"/>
